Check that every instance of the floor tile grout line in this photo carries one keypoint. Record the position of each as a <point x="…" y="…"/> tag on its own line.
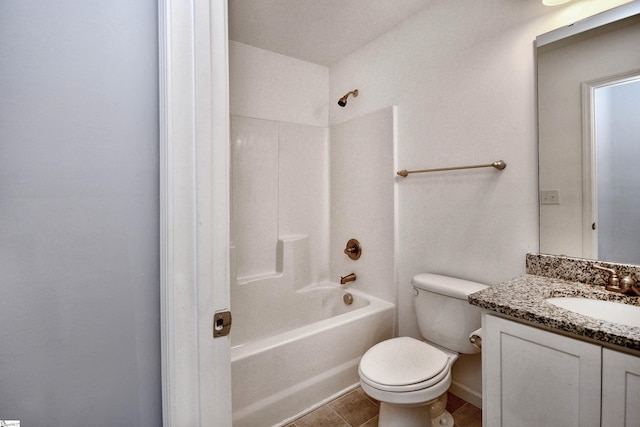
<point x="336" y="412"/>
<point x="367" y="397"/>
<point x="366" y="421"/>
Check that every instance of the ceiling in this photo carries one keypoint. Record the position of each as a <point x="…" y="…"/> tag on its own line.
<point x="319" y="31"/>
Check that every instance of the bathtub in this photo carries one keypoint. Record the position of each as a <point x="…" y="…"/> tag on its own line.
<point x="301" y="350"/>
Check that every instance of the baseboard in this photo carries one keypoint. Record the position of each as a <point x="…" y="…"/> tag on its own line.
<point x="470" y="395"/>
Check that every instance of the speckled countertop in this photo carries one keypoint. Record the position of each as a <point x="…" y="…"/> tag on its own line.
<point x="524" y="297"/>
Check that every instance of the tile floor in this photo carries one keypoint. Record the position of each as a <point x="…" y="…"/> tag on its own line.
<point x="356" y="409"/>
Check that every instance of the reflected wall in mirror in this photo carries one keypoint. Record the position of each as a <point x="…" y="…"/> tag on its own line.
<point x="589" y="143"/>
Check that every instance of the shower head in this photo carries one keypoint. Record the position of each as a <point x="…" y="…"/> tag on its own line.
<point x="343" y="101"/>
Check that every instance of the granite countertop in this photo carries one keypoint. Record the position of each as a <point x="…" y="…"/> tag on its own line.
<point x="524" y="297"/>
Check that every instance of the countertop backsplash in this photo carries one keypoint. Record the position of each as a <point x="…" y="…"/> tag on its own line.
<point x="576" y="269"/>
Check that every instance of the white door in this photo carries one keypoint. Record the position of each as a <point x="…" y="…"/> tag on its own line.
<point x="194" y="212"/>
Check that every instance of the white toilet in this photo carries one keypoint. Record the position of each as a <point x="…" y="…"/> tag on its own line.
<point x="409" y="377"/>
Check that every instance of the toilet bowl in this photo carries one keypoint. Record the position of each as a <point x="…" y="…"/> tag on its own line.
<point x="410" y="377"/>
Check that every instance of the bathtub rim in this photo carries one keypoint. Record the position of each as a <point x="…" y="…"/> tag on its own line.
<point x="251" y="348"/>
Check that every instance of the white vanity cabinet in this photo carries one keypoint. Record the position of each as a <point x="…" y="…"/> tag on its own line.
<point x="620" y="389"/>
<point x="534" y="378"/>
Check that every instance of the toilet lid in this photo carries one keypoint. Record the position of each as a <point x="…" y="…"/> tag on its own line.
<point x="402" y="361"/>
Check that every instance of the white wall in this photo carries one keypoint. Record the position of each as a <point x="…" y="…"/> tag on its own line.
<point x="267" y="85"/>
<point x="79" y="306"/>
<point x="463" y="77"/>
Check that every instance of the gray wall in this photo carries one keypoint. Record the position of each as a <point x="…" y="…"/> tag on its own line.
<point x="79" y="281"/>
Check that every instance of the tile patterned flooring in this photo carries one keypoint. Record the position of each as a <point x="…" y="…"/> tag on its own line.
<point x="356" y="409"/>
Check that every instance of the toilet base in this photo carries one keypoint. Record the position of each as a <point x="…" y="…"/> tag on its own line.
<point x="429" y="414"/>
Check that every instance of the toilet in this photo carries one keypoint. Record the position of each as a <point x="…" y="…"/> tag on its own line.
<point x="410" y="377"/>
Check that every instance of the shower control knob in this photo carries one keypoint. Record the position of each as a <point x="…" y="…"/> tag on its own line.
<point x="353" y="249"/>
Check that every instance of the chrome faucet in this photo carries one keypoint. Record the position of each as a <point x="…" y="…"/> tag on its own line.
<point x="626" y="285"/>
<point x="348" y="278"/>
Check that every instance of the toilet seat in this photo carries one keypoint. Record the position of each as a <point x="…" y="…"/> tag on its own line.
<point x="403" y="365"/>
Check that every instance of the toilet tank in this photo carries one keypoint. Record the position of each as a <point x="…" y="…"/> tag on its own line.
<point x="445" y="317"/>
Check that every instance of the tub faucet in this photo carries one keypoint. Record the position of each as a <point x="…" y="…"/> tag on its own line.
<point x="348" y="278"/>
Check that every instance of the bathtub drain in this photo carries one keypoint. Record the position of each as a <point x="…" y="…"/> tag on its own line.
<point x="348" y="299"/>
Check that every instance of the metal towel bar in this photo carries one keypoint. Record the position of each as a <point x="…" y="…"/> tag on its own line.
<point x="500" y="164"/>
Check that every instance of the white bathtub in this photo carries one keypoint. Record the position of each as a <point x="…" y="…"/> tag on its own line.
<point x="290" y="355"/>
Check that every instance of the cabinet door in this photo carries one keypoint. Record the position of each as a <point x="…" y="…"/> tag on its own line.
<point x="620" y="389"/>
<point x="534" y="378"/>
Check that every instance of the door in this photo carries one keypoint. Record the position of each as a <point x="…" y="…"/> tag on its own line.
<point x="194" y="212"/>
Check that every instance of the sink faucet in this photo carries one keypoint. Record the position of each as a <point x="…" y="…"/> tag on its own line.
<point x="626" y="285"/>
<point x="348" y="278"/>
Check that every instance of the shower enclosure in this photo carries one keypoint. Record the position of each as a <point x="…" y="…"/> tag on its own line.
<point x="300" y="190"/>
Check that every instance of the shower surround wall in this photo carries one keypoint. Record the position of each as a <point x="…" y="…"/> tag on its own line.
<point x="289" y="180"/>
<point x="362" y="201"/>
<point x="279" y="187"/>
<point x="279" y="140"/>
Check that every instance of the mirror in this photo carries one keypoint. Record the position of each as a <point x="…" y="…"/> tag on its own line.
<point x="589" y="137"/>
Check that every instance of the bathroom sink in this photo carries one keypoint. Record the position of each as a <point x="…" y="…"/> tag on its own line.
<point x="609" y="311"/>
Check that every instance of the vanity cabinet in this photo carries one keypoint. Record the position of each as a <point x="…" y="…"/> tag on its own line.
<point x="534" y="378"/>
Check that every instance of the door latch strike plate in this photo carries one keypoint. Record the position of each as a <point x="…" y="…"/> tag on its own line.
<point x="221" y="324"/>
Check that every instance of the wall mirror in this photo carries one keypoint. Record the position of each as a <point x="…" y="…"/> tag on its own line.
<point x="589" y="137"/>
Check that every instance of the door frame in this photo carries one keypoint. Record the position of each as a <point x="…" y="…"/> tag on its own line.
<point x="194" y="211"/>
